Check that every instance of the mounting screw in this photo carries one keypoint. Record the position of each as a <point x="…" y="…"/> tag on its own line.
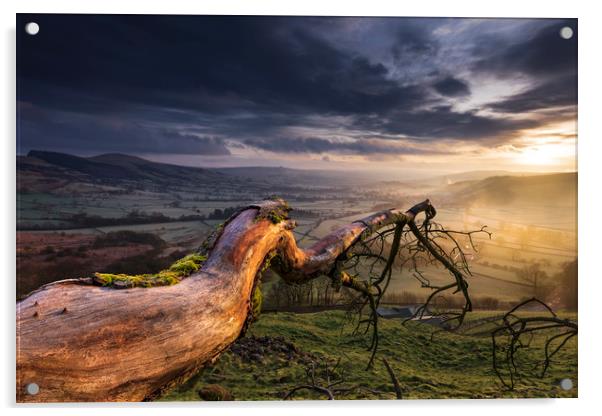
<point x="32" y="28"/>
<point x="566" y="384"/>
<point x="32" y="389"/>
<point x="566" y="33"/>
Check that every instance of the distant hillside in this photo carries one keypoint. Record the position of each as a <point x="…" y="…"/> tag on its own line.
<point x="475" y="175"/>
<point x="295" y="177"/>
<point x="117" y="167"/>
<point x="43" y="171"/>
<point x="559" y="189"/>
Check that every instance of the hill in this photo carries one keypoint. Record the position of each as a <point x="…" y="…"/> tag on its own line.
<point x="474" y="175"/>
<point x="43" y="171"/>
<point x="114" y="167"/>
<point x="47" y="171"/>
<point x="295" y="177"/>
<point x="559" y="189"/>
<point x="275" y="354"/>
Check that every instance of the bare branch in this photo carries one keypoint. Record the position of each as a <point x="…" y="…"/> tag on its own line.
<point x="517" y="332"/>
<point x="394" y="380"/>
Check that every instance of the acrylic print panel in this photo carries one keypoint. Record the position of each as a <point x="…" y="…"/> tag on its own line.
<point x="289" y="208"/>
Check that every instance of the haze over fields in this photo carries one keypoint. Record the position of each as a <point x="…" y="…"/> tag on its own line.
<point x="118" y="213"/>
<point x="128" y="159"/>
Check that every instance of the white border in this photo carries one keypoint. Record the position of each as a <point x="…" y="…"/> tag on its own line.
<point x="590" y="153"/>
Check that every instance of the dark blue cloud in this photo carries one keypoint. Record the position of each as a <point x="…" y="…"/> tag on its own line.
<point x="39" y="129"/>
<point x="444" y="123"/>
<point x="193" y="84"/>
<point x="543" y="53"/>
<point x="557" y="92"/>
<point x="452" y="87"/>
<point x="202" y="63"/>
<point x="318" y="145"/>
<point x="549" y="60"/>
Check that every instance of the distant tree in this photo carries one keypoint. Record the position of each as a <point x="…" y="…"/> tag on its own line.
<point x="526" y="236"/>
<point x="567" y="279"/>
<point x="537" y="278"/>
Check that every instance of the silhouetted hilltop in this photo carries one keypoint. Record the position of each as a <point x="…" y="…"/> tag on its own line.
<point x="53" y="169"/>
<point x="115" y="167"/>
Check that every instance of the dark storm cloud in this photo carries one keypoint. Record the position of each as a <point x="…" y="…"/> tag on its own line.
<point x="544" y="53"/>
<point x="413" y="41"/>
<point x="548" y="59"/>
<point x="558" y="92"/>
<point x="49" y="131"/>
<point x="319" y="145"/>
<point x="444" y="123"/>
<point x="199" y="84"/>
<point x="452" y="87"/>
<point x="204" y="63"/>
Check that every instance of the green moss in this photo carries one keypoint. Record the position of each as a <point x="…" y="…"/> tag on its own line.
<point x="274" y="213"/>
<point x="171" y="276"/>
<point x="188" y="264"/>
<point x="209" y="242"/>
<point x="257" y="295"/>
<point x="276" y="217"/>
<point x="256" y="301"/>
<point x="267" y="262"/>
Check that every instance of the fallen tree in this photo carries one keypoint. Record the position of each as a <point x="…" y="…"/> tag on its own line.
<point x="81" y="342"/>
<point x="130" y="338"/>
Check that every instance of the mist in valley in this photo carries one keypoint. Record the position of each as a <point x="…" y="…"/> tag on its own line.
<point x="72" y="224"/>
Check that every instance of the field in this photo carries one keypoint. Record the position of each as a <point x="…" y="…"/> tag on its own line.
<point x="542" y="235"/>
<point x="72" y="224"/>
<point x="265" y="367"/>
<point x="522" y="235"/>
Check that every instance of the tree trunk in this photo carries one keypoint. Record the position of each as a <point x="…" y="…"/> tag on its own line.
<point x="80" y="342"/>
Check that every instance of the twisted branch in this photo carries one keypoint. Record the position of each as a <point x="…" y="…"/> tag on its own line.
<point x="81" y="342"/>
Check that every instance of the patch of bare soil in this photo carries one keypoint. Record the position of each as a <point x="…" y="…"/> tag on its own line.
<point x="46" y="257"/>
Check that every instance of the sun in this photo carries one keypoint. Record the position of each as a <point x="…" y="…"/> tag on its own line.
<point x="537" y="155"/>
<point x="546" y="154"/>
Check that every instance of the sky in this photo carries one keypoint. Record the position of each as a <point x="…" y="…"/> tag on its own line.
<point x="374" y="94"/>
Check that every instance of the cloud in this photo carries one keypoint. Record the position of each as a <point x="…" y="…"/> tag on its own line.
<point x="452" y="87"/>
<point x="443" y="122"/>
<point x="559" y="92"/>
<point x="39" y="129"/>
<point x="413" y="41"/>
<point x="207" y="84"/>
<point x="179" y="62"/>
<point x="543" y="53"/>
<point x="317" y="145"/>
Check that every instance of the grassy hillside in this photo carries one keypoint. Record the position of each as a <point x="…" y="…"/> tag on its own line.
<point x="558" y="190"/>
<point x="277" y="350"/>
<point x="116" y="167"/>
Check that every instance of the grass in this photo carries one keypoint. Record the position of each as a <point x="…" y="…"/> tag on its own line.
<point x="450" y="366"/>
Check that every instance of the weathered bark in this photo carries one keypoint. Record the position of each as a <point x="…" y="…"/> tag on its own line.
<point x="79" y="342"/>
